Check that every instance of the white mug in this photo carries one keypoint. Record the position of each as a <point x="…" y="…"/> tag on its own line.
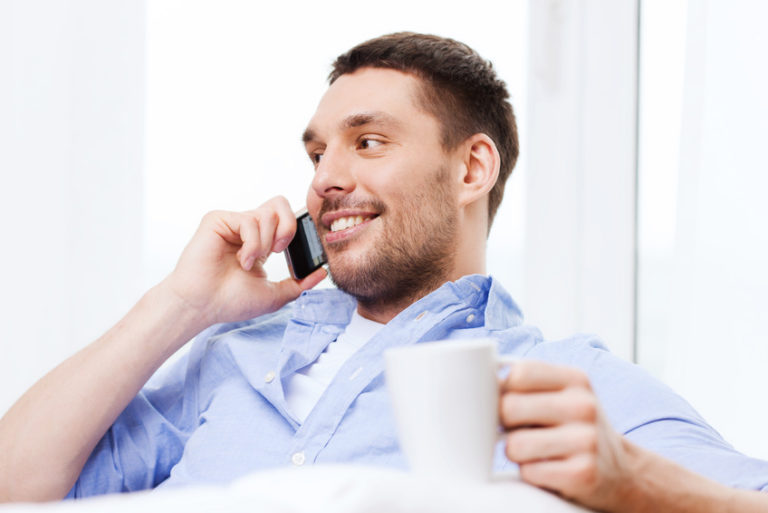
<point x="445" y="397"/>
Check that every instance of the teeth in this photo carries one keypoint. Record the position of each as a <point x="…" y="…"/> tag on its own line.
<point x="343" y="223"/>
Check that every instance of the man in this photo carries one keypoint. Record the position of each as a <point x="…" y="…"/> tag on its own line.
<point x="411" y="145"/>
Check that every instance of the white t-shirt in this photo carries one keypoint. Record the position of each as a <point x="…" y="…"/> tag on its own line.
<point x="304" y="388"/>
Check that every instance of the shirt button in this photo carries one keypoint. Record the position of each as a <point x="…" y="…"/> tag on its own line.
<point x="470" y="317"/>
<point x="298" y="459"/>
<point x="269" y="377"/>
<point x="421" y="316"/>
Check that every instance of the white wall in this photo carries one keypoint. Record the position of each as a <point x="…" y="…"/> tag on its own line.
<point x="71" y="130"/>
<point x="225" y="111"/>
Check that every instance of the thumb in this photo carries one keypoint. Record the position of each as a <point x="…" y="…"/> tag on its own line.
<point x="313" y="279"/>
<point x="289" y="288"/>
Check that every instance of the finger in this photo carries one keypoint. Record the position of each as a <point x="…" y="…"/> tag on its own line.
<point x="286" y="290"/>
<point x="535" y="376"/>
<point x="238" y="229"/>
<point x="547" y="408"/>
<point x="574" y="477"/>
<point x="272" y="220"/>
<point x="289" y="288"/>
<point x="224" y="224"/>
<point x="313" y="278"/>
<point x="286" y="226"/>
<point x="534" y="444"/>
<point x="250" y="235"/>
<point x="281" y="223"/>
<point x="268" y="220"/>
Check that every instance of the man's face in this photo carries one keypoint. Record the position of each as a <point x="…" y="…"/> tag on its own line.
<point x="383" y="197"/>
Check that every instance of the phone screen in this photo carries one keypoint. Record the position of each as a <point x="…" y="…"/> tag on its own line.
<point x="305" y="252"/>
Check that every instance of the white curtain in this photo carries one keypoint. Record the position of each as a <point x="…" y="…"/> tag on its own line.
<point x="709" y="339"/>
<point x="580" y="191"/>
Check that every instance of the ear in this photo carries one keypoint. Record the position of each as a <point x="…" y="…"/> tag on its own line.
<point x="480" y="168"/>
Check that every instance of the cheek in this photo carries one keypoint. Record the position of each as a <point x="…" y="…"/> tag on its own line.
<point x="313" y="203"/>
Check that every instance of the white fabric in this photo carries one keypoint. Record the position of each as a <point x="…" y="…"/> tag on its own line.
<point x="325" y="489"/>
<point x="305" y="387"/>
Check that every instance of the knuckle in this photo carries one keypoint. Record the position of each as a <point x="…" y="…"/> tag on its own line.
<point x="518" y="374"/>
<point x="586" y="473"/>
<point x="589" y="440"/>
<point x="540" y="474"/>
<point x="272" y="215"/>
<point x="211" y="216"/>
<point x="280" y="203"/>
<point x="583" y="405"/>
<point x="508" y="405"/>
<point x="529" y="474"/>
<point x="515" y="446"/>
<point x="250" y="224"/>
<point x="580" y="378"/>
<point x="279" y="200"/>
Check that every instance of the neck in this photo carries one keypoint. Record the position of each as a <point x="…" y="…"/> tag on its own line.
<point x="379" y="314"/>
<point x="384" y="311"/>
<point x="468" y="258"/>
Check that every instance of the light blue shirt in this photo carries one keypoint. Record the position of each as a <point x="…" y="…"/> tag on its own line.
<point x="220" y="412"/>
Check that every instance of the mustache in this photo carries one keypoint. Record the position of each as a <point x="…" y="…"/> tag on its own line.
<point x="337" y="203"/>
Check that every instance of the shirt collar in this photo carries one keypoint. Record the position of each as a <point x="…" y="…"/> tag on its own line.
<point x="332" y="306"/>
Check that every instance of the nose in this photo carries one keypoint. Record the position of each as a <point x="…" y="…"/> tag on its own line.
<point x="333" y="174"/>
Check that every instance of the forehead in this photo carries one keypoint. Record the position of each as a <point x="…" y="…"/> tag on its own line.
<point x="392" y="94"/>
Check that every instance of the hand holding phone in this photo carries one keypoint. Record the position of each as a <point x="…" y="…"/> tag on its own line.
<point x="220" y="273"/>
<point x="305" y="252"/>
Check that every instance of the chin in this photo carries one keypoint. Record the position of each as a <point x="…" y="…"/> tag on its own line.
<point x="345" y="264"/>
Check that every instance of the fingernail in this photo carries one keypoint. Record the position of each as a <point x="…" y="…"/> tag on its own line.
<point x="249" y="263"/>
<point x="283" y="243"/>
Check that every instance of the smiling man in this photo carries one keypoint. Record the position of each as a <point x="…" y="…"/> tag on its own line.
<point x="412" y="145"/>
<point x="386" y="192"/>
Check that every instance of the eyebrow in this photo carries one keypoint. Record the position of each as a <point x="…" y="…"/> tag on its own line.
<point x="355" y="121"/>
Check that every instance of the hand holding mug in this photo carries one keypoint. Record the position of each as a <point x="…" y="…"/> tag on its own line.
<point x="560" y="437"/>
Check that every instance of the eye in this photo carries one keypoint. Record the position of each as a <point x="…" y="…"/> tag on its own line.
<point x="367" y="143"/>
<point x="315" y="157"/>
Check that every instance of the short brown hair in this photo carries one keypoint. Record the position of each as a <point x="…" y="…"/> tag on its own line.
<point x="461" y="90"/>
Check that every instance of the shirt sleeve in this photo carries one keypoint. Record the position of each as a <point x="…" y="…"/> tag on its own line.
<point x="148" y="437"/>
<point x="653" y="416"/>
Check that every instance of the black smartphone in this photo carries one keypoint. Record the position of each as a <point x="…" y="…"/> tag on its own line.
<point x="305" y="252"/>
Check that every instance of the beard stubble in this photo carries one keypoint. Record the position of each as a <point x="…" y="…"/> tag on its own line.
<point x="413" y="254"/>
